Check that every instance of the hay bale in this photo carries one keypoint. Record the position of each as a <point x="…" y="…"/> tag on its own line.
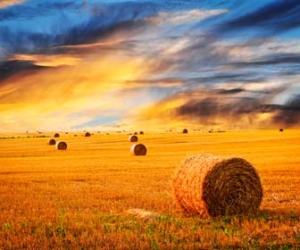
<point x="212" y="186"/>
<point x="52" y="142"/>
<point x="61" y="145"/>
<point x="138" y="149"/>
<point x="141" y="132"/>
<point x="281" y="130"/>
<point x="87" y="134"/>
<point x="185" y="131"/>
<point x="133" y="138"/>
<point x="56" y="135"/>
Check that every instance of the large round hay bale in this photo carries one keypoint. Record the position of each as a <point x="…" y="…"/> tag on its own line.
<point x="52" y="142"/>
<point x="61" y="145"/>
<point x="138" y="149"/>
<point x="56" y="135"/>
<point x="212" y="186"/>
<point x="133" y="138"/>
<point x="185" y="131"/>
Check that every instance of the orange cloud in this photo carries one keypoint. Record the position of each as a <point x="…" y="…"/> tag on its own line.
<point x="66" y="97"/>
<point x="6" y="3"/>
<point x="49" y="60"/>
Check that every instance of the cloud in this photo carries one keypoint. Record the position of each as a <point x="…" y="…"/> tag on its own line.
<point x="276" y="16"/>
<point x="69" y="96"/>
<point x="179" y="62"/>
<point x="12" y="67"/>
<point x="24" y="29"/>
<point x="53" y="60"/>
<point x="289" y="114"/>
<point x="231" y="91"/>
<point x="6" y="3"/>
<point x="224" y="107"/>
<point x="188" y="16"/>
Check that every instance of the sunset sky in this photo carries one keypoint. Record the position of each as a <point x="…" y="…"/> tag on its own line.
<point x="95" y="64"/>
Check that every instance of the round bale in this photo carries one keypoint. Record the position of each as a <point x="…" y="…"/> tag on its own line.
<point x="87" y="134"/>
<point x="213" y="186"/>
<point x="56" y="135"/>
<point x="61" y="145"/>
<point x="138" y="149"/>
<point x="185" y="131"/>
<point x="52" y="142"/>
<point x="133" y="138"/>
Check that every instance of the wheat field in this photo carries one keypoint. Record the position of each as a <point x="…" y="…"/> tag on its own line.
<point x="97" y="195"/>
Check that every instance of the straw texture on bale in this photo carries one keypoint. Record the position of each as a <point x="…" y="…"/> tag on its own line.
<point x="212" y="186"/>
<point x="138" y="149"/>
<point x="61" y="145"/>
<point x="51" y="142"/>
<point x="133" y="138"/>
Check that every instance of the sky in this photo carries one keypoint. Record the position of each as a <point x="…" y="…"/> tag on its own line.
<point x="149" y="64"/>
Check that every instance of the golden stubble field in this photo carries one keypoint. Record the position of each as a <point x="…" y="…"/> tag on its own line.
<point x="88" y="196"/>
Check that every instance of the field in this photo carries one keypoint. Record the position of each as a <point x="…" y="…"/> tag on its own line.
<point x="96" y="195"/>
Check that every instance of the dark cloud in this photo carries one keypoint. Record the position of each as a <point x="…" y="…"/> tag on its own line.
<point x="10" y="68"/>
<point x="112" y="18"/>
<point x="68" y="23"/>
<point x="154" y="82"/>
<point x="211" y="107"/>
<point x="273" y="59"/>
<point x="238" y="106"/>
<point x="278" y="15"/>
<point x="231" y="91"/>
<point x="288" y="114"/>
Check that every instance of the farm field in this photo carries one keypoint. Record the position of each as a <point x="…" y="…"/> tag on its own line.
<point x="97" y="195"/>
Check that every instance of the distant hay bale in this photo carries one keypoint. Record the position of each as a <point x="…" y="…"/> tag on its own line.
<point x="185" y="131"/>
<point x="138" y="149"/>
<point x="212" y="186"/>
<point x="61" y="145"/>
<point x="87" y="134"/>
<point x="281" y="130"/>
<point x="56" y="135"/>
<point x="135" y="133"/>
<point x="141" y="132"/>
<point x="52" y="142"/>
<point x="133" y="138"/>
